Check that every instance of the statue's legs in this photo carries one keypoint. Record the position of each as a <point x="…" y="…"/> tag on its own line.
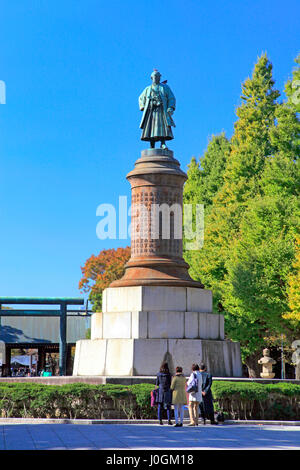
<point x="162" y="144"/>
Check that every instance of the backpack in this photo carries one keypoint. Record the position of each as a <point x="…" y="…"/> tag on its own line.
<point x="193" y="386"/>
<point x="154" y="397"/>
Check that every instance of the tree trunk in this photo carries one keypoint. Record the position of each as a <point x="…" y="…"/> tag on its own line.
<point x="254" y="368"/>
<point x="297" y="371"/>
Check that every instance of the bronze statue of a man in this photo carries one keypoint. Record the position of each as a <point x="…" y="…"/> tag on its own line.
<point x="158" y="104"/>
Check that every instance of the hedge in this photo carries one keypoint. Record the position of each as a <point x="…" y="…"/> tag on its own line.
<point x="241" y="400"/>
<point x="75" y="401"/>
<point x="237" y="400"/>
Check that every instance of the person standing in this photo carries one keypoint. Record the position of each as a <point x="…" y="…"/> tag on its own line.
<point x="163" y="381"/>
<point x="179" y="395"/>
<point x="207" y="406"/>
<point x="195" y="398"/>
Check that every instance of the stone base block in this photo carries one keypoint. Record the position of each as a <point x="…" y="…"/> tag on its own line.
<point x="152" y="298"/>
<point x="157" y="325"/>
<point x="143" y="357"/>
<point x="141" y="326"/>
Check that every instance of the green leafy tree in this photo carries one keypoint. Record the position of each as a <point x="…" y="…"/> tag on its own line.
<point x="252" y="220"/>
<point x="257" y="278"/>
<point x="100" y="271"/>
<point x="293" y="315"/>
<point x="205" y="178"/>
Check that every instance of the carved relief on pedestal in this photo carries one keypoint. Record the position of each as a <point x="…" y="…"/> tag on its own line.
<point x="156" y="221"/>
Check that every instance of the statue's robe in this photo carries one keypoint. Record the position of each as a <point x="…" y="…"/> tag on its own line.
<point x="156" y="121"/>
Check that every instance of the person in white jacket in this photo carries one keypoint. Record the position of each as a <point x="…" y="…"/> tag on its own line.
<point x="195" y="398"/>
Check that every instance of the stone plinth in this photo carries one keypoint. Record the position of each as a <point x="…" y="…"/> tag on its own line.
<point x="141" y="326"/>
<point x="157" y="324"/>
<point x="140" y="357"/>
<point x="124" y="299"/>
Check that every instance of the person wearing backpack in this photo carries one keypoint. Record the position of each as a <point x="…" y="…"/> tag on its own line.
<point x="194" y="389"/>
<point x="163" y="381"/>
<point x="179" y="396"/>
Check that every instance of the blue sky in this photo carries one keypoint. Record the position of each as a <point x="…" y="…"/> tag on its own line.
<point x="69" y="131"/>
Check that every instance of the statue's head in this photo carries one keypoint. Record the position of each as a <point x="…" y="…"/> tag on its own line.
<point x="266" y="352"/>
<point x="155" y="76"/>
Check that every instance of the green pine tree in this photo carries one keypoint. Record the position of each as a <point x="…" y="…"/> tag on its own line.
<point x="250" y="145"/>
<point x="292" y="87"/>
<point x="251" y="221"/>
<point x="205" y="178"/>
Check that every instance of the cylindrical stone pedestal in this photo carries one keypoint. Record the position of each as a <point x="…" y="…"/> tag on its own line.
<point x="156" y="223"/>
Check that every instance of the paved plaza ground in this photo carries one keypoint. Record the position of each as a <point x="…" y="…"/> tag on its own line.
<point x="147" y="436"/>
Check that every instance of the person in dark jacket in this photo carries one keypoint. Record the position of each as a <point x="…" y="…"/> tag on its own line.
<point x="163" y="381"/>
<point x="207" y="406"/>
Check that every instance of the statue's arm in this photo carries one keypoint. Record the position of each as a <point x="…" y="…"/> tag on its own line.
<point x="142" y="100"/>
<point x="171" y="100"/>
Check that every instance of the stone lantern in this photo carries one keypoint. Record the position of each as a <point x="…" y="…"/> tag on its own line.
<point x="267" y="365"/>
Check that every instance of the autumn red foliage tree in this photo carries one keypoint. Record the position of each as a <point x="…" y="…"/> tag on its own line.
<point x="99" y="271"/>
